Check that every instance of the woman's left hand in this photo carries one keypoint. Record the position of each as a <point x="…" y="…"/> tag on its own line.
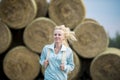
<point x="62" y="66"/>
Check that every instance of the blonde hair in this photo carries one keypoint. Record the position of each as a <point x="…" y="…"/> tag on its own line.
<point x="69" y="35"/>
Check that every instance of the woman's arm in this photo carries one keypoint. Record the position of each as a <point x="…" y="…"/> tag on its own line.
<point x="43" y="56"/>
<point x="70" y="63"/>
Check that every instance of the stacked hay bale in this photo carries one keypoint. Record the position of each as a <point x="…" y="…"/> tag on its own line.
<point x="39" y="33"/>
<point x="5" y="37"/>
<point x="67" y="12"/>
<point x="26" y="26"/>
<point x="17" y="13"/>
<point x="90" y="19"/>
<point x="92" y="39"/>
<point x="106" y="66"/>
<point x="21" y="64"/>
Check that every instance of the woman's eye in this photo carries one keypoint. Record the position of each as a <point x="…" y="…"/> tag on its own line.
<point x="55" y="34"/>
<point x="59" y="34"/>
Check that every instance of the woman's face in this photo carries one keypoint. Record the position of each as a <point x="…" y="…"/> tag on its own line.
<point x="58" y="36"/>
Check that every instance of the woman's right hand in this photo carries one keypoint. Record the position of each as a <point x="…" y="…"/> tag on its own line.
<point x="46" y="63"/>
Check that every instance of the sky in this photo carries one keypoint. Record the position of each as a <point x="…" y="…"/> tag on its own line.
<point x="106" y="12"/>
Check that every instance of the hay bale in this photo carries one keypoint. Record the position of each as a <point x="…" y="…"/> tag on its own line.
<point x="106" y="66"/>
<point x="67" y="12"/>
<point x="21" y="64"/>
<point x="92" y="39"/>
<point x="17" y="13"/>
<point x="42" y="7"/>
<point x="39" y="33"/>
<point x="90" y="19"/>
<point x="5" y="37"/>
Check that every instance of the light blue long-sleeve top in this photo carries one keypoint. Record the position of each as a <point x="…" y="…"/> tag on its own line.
<point x="53" y="71"/>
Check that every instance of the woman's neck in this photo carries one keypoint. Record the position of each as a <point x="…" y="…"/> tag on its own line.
<point x="57" y="47"/>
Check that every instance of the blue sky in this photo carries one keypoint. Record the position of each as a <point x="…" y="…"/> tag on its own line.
<point x="106" y="12"/>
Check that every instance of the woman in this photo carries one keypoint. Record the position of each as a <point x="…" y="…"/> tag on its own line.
<point x="57" y="58"/>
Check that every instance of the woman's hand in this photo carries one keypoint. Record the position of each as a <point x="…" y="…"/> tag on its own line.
<point x="62" y="66"/>
<point x="46" y="62"/>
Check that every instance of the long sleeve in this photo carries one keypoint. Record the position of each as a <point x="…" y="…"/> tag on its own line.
<point x="43" y="56"/>
<point x="70" y="63"/>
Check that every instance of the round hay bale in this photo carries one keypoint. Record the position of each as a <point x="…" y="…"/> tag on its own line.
<point x="21" y="64"/>
<point x="17" y="13"/>
<point x="90" y="19"/>
<point x="39" y="33"/>
<point x="75" y="73"/>
<point x="67" y="12"/>
<point x="5" y="37"/>
<point x="42" y="7"/>
<point x="91" y="39"/>
<point x="106" y="66"/>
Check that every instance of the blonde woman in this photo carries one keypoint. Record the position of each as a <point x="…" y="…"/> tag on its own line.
<point x="57" y="58"/>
